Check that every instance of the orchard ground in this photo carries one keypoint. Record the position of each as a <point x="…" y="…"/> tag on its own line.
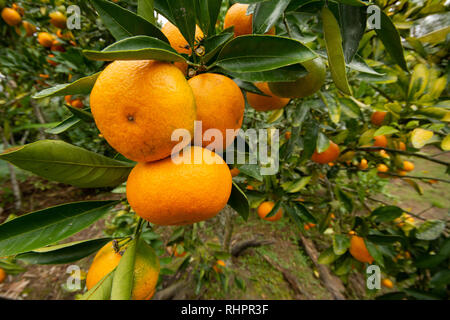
<point x="262" y="280"/>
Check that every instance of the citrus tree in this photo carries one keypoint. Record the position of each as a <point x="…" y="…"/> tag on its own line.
<point x="354" y="87"/>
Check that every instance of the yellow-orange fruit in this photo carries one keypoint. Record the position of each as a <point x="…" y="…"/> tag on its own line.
<point x="2" y="275"/>
<point x="11" y="16"/>
<point x="58" y="19"/>
<point x="235" y="172"/>
<point x="184" y="189"/>
<point x="53" y="63"/>
<point x="359" y="250"/>
<point x="380" y="141"/>
<point x="402" y="173"/>
<point x="57" y="46"/>
<point x="288" y="135"/>
<point x="363" y="165"/>
<point x="218" y="266"/>
<point x="265" y="208"/>
<point x="237" y="17"/>
<point x="220" y="105"/>
<point x="137" y="105"/>
<point x="377" y="117"/>
<point x="382" y="168"/>
<point x="45" y="39"/>
<point x="77" y="103"/>
<point x="179" y="43"/>
<point x="408" y="166"/>
<point x="329" y="155"/>
<point x="265" y="103"/>
<point x="400" y="145"/>
<point x="30" y="29"/>
<point x="387" y="283"/>
<point x="146" y="269"/>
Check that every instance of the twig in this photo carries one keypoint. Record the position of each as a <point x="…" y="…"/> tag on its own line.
<point x="416" y="177"/>
<point x="384" y="94"/>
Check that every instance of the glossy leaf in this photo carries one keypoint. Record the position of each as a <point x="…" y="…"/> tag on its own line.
<point x="288" y="73"/>
<point x="384" y="239"/>
<point x="214" y="44"/>
<point x="123" y="279"/>
<point x="333" y="41"/>
<point x="65" y="253"/>
<point x="375" y="252"/>
<point x="386" y="213"/>
<point x="64" y="125"/>
<point x="390" y="37"/>
<point x="136" y="48"/>
<point x="327" y="257"/>
<point x="266" y="14"/>
<point x="251" y="170"/>
<point x="304" y="213"/>
<point x="353" y="23"/>
<point x="385" y="130"/>
<point x="340" y="244"/>
<point x="430" y="230"/>
<point x="255" y="53"/>
<point x="123" y="23"/>
<point x="207" y="14"/>
<point x="81" y="86"/>
<point x="44" y="227"/>
<point x="65" y="163"/>
<point x="101" y="290"/>
<point x="239" y="202"/>
<point x="310" y="139"/>
<point x="146" y="10"/>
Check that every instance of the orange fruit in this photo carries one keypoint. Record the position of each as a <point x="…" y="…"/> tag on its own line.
<point x="53" y="63"/>
<point x="400" y="145"/>
<point x="177" y="253"/>
<point x="2" y="275"/>
<point x="380" y="141"/>
<point x="19" y="9"/>
<point x="137" y="105"/>
<point x="220" y="105"/>
<point x="11" y="16"/>
<point x="250" y="188"/>
<point x="45" y="39"/>
<point x="329" y="155"/>
<point x="219" y="265"/>
<point x="235" y="172"/>
<point x="58" y="19"/>
<point x="387" y="283"/>
<point x="146" y="269"/>
<point x="77" y="103"/>
<point x="304" y="86"/>
<point x="263" y="103"/>
<point x="408" y="166"/>
<point x="309" y="226"/>
<point x="176" y="192"/>
<point x="402" y="173"/>
<point x="30" y="29"/>
<point x="359" y="250"/>
<point x="264" y="209"/>
<point x="56" y="46"/>
<point x="68" y="99"/>
<point x="382" y="168"/>
<point x="288" y="135"/>
<point x="377" y="117"/>
<point x="179" y="43"/>
<point x="237" y="17"/>
<point x="363" y="165"/>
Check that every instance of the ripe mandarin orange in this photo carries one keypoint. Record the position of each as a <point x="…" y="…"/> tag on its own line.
<point x="30" y="29"/>
<point x="50" y="61"/>
<point x="387" y="283"/>
<point x="58" y="19"/>
<point x="218" y="266"/>
<point x="11" y="16"/>
<point x="288" y="135"/>
<point x="264" y="209"/>
<point x="237" y="17"/>
<point x="408" y="166"/>
<point x="179" y="43"/>
<point x="137" y="105"/>
<point x="380" y="141"/>
<point x="175" y="192"/>
<point x="220" y="105"/>
<point x="264" y="103"/>
<point x="45" y="39"/>
<point x="146" y="269"/>
<point x="329" y="155"/>
<point x="377" y="117"/>
<point x="359" y="250"/>
<point x="382" y="168"/>
<point x="235" y="172"/>
<point x="363" y="165"/>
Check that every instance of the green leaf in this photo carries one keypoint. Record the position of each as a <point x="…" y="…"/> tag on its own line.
<point x="310" y="139"/>
<point x="441" y="279"/>
<point x="275" y="116"/>
<point x="386" y="213"/>
<point x="298" y="185"/>
<point x="41" y="228"/>
<point x="333" y="106"/>
<point x="353" y="23"/>
<point x="251" y="170"/>
<point x="64" y="125"/>
<point x="390" y="37"/>
<point x="274" y="210"/>
<point x="421" y="295"/>
<point x="146" y="10"/>
<point x="255" y="53"/>
<point x="375" y="252"/>
<point x="102" y="289"/>
<point x="84" y="115"/>
<point x="214" y="44"/>
<point x="323" y="143"/>
<point x="340" y="244"/>
<point x="430" y="230"/>
<point x="385" y="130"/>
<point x="266" y="14"/>
<point x="333" y="41"/>
<point x="249" y="87"/>
<point x="239" y="202"/>
<point x="182" y="14"/>
<point x="81" y="86"/>
<point x="65" y="163"/>
<point x="345" y="198"/>
<point x="288" y="73"/>
<point x="384" y="239"/>
<point x="63" y="253"/>
<point x="207" y="14"/>
<point x="122" y="285"/>
<point x="327" y="257"/>
<point x="123" y="23"/>
<point x="304" y="213"/>
<point x="136" y="48"/>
